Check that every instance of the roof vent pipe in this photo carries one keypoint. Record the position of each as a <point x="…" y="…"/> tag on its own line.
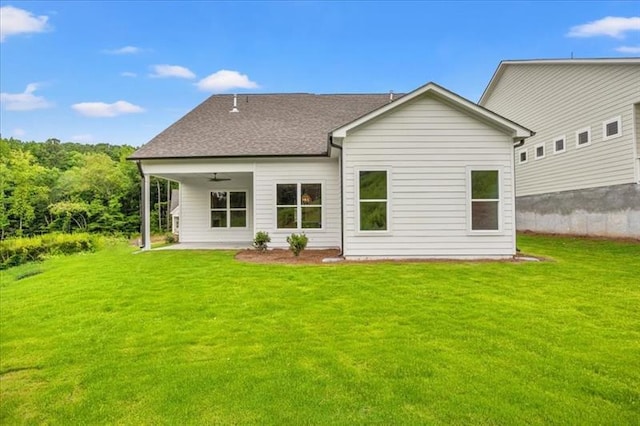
<point x="235" y="104"/>
<point x="390" y="95"/>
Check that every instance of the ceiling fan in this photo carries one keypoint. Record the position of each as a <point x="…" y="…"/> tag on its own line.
<point x="215" y="178"/>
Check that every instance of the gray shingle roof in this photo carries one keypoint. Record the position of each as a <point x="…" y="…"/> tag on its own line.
<point x="293" y="124"/>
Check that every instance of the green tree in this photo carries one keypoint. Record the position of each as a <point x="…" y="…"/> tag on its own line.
<point x="28" y="186"/>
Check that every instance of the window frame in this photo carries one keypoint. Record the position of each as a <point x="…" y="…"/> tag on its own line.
<point x="229" y="209"/>
<point x="617" y="119"/>
<point x="526" y="156"/>
<point x="586" y="130"/>
<point x="470" y="200"/>
<point x="535" y="151"/>
<point x="357" y="200"/>
<point x="299" y="205"/>
<point x="564" y="144"/>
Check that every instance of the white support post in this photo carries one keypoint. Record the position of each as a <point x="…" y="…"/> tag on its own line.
<point x="146" y="214"/>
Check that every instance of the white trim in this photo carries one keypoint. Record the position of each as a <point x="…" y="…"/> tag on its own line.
<point x="617" y="119"/>
<point x="563" y="138"/>
<point x="228" y="209"/>
<point x="526" y="156"/>
<point x="535" y="151"/>
<point x="356" y="179"/>
<point x="298" y="205"/>
<point x="500" y="200"/>
<point x="517" y="131"/>
<point x="583" y="130"/>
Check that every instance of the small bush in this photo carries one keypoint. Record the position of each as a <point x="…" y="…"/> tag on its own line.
<point x="261" y="240"/>
<point x="171" y="239"/>
<point x="297" y="243"/>
<point x="16" y="251"/>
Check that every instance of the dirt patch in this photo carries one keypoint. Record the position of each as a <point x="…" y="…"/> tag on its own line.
<point x="280" y="256"/>
<point x="285" y="256"/>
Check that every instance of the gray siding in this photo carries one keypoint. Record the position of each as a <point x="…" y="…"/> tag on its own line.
<point x="427" y="145"/>
<point x="559" y="99"/>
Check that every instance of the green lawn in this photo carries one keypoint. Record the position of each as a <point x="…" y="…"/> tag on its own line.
<point x="199" y="338"/>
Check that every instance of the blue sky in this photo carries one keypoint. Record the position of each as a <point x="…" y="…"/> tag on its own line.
<point x="121" y="72"/>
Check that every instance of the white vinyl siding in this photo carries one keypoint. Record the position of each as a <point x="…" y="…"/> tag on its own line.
<point x="258" y="177"/>
<point x="428" y="145"/>
<point x="195" y="210"/>
<point x="556" y="99"/>
<point x="323" y="171"/>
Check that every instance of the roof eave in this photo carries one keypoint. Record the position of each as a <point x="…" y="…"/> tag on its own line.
<point x="190" y="157"/>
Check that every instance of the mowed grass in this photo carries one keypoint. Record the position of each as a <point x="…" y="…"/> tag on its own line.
<point x="199" y="338"/>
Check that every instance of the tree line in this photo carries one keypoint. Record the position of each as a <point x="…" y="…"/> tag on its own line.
<point x="55" y="186"/>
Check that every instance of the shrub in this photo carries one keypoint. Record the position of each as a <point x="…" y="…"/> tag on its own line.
<point x="261" y="240"/>
<point x="171" y="239"/>
<point x="16" y="251"/>
<point x="297" y="243"/>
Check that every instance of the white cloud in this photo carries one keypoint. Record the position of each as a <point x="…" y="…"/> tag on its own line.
<point x="628" y="49"/>
<point x="163" y="71"/>
<point x="19" y="21"/>
<point x="17" y="132"/>
<point x="612" y="26"/>
<point x="128" y="74"/>
<point x="102" y="109"/>
<point x="224" y="80"/>
<point x="126" y="50"/>
<point x="83" y="138"/>
<point x="25" y="101"/>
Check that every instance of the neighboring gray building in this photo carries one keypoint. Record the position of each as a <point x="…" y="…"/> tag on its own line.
<point x="428" y="174"/>
<point x="580" y="172"/>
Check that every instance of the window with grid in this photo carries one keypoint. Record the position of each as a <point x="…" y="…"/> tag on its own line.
<point x="299" y="205"/>
<point x="228" y="209"/>
<point x="583" y="137"/>
<point x="612" y="128"/>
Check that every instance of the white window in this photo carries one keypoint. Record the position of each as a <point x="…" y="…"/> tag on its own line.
<point x="583" y="137"/>
<point x="522" y="156"/>
<point x="484" y="200"/>
<point x="373" y="200"/>
<point x="228" y="209"/>
<point x="559" y="144"/>
<point x="539" y="151"/>
<point x="299" y="205"/>
<point x="612" y="128"/>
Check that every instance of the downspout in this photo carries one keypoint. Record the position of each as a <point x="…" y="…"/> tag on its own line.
<point x="333" y="145"/>
<point x="142" y="206"/>
<point x="515" y="215"/>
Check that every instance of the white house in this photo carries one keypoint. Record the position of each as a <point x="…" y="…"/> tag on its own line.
<point x="427" y="174"/>
<point x="580" y="173"/>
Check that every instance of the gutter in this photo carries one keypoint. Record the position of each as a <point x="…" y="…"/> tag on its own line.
<point x="334" y="145"/>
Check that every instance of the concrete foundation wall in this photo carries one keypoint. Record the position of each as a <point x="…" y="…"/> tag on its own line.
<point x="612" y="211"/>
